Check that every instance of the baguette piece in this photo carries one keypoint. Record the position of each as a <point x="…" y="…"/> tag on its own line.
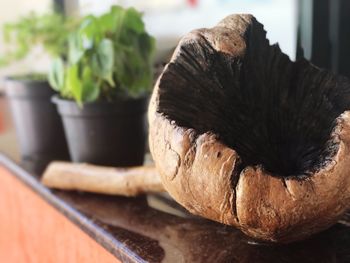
<point x="243" y="136"/>
<point x="104" y="180"/>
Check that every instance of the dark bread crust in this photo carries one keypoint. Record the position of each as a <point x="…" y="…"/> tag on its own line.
<point x="206" y="176"/>
<point x="285" y="210"/>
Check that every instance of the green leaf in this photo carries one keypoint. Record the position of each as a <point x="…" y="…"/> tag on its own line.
<point x="89" y="32"/>
<point x="73" y="84"/>
<point x="147" y="46"/>
<point x="56" y="75"/>
<point x="76" y="50"/>
<point x="133" y="20"/>
<point x="107" y="22"/>
<point x="119" y="23"/>
<point x="103" y="61"/>
<point x="90" y="92"/>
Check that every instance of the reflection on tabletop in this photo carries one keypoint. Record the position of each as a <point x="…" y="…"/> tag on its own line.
<point x="160" y="230"/>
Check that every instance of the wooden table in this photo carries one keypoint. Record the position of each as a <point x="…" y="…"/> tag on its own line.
<point x="42" y="225"/>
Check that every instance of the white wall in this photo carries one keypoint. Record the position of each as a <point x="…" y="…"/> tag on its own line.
<point x="170" y="19"/>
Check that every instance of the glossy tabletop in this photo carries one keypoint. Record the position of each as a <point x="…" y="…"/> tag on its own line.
<point x="155" y="229"/>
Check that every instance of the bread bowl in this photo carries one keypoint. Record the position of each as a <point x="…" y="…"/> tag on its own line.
<point x="242" y="135"/>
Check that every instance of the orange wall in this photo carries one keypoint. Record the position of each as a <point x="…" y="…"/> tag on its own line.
<point x="31" y="231"/>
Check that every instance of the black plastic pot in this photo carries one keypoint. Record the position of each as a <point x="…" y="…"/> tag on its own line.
<point x="105" y="133"/>
<point x="38" y="126"/>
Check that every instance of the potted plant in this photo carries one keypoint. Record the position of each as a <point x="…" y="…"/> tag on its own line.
<point x="104" y="88"/>
<point x="39" y="128"/>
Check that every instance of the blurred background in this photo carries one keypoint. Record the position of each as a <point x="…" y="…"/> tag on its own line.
<point x="167" y="20"/>
<point x="315" y="29"/>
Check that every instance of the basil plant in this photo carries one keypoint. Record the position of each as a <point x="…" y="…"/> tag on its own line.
<point x="108" y="56"/>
